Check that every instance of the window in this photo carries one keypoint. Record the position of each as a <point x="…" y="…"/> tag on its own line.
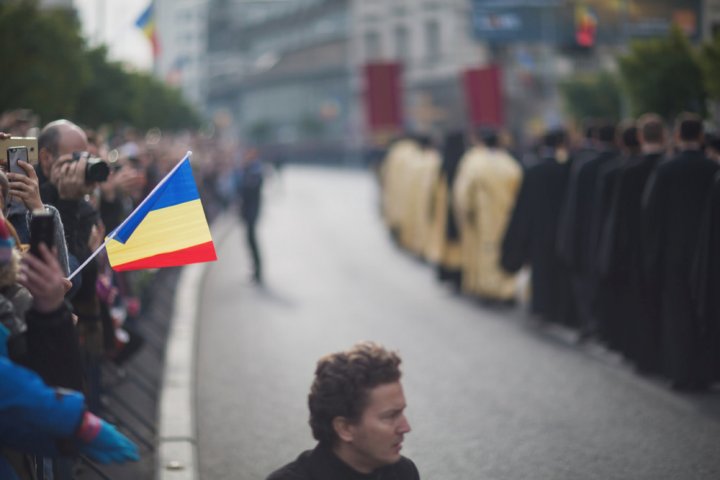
<point x="402" y="43"/>
<point x="372" y="46"/>
<point x="433" y="47"/>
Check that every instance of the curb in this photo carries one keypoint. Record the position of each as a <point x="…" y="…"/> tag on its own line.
<point x="177" y="432"/>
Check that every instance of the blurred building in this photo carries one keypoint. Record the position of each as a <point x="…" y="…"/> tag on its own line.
<point x="292" y="73"/>
<point x="432" y="42"/>
<point x="280" y="70"/>
<point x="182" y="33"/>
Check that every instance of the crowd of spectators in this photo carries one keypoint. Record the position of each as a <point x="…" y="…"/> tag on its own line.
<point x="55" y="333"/>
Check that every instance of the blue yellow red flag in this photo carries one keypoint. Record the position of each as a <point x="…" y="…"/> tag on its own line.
<point x="146" y="23"/>
<point x="167" y="229"/>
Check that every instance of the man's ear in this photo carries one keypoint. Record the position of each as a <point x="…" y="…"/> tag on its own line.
<point x="45" y="161"/>
<point x="344" y="429"/>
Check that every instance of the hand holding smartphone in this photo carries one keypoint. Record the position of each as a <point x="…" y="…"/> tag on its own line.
<point x="15" y="154"/>
<point x="42" y="230"/>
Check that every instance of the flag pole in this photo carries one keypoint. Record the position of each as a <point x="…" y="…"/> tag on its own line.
<point x="94" y="254"/>
<point x="114" y="232"/>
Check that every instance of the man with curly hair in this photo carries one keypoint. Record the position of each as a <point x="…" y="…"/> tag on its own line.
<point x="357" y="415"/>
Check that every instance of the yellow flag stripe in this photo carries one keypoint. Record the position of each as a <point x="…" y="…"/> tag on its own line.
<point x="161" y="231"/>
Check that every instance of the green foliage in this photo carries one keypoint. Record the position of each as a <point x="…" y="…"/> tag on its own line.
<point x="48" y="68"/>
<point x="710" y="63"/>
<point x="663" y="76"/>
<point x="43" y="63"/>
<point x="592" y="96"/>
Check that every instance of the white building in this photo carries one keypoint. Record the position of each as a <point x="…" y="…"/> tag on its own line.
<point x="433" y="41"/>
<point x="182" y="34"/>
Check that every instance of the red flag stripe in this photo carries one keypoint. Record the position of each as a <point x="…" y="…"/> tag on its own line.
<point x="205" y="252"/>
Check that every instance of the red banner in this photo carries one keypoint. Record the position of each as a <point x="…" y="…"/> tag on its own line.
<point x="483" y="94"/>
<point x="383" y="97"/>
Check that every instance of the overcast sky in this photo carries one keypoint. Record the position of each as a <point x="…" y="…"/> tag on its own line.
<point x="116" y="19"/>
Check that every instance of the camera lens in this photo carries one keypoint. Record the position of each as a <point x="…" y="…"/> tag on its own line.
<point x="97" y="170"/>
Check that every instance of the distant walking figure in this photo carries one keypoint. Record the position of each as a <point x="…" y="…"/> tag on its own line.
<point x="249" y="183"/>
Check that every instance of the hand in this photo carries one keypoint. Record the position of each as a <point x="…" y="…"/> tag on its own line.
<point x="44" y="279"/>
<point x="25" y="187"/>
<point x="103" y="443"/>
<point x="69" y="177"/>
<point x="97" y="235"/>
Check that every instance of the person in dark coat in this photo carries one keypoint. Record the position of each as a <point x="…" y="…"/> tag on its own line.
<point x="454" y="148"/>
<point x="706" y="276"/>
<point x="575" y="229"/>
<point x="249" y="184"/>
<point x="357" y="415"/>
<point x="621" y="249"/>
<point x="531" y="235"/>
<point x="675" y="198"/>
<point x="608" y="292"/>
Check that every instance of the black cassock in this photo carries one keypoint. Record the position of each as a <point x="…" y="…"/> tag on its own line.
<point x="706" y="276"/>
<point x="675" y="200"/>
<point x="605" y="304"/>
<point x="531" y="239"/>
<point x="620" y="264"/>
<point x="575" y="245"/>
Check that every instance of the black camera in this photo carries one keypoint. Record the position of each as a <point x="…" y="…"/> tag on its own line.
<point x="96" y="169"/>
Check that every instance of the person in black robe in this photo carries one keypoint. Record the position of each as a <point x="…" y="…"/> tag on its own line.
<point x="454" y="147"/>
<point x="621" y="248"/>
<point x="574" y="236"/>
<point x="608" y="291"/>
<point x="675" y="199"/>
<point x="706" y="274"/>
<point x="531" y="234"/>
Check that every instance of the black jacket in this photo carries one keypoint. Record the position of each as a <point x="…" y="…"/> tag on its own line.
<point x="322" y="464"/>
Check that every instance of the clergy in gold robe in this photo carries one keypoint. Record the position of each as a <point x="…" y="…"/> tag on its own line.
<point x="400" y="155"/>
<point x="417" y="200"/>
<point x="485" y="192"/>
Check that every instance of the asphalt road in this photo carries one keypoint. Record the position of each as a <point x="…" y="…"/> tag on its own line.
<point x="491" y="395"/>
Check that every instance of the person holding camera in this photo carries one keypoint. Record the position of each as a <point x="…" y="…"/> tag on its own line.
<point x="67" y="174"/>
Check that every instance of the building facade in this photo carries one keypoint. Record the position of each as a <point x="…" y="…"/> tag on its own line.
<point x="182" y="34"/>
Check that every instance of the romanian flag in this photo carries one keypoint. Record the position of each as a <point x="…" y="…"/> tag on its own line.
<point x="146" y="23"/>
<point x="167" y="229"/>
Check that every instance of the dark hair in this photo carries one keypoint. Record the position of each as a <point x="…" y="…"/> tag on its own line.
<point x="628" y="135"/>
<point x="652" y="128"/>
<point x="342" y="385"/>
<point x="606" y="132"/>
<point x="690" y="127"/>
<point x="554" y="138"/>
<point x="50" y="140"/>
<point x="488" y="136"/>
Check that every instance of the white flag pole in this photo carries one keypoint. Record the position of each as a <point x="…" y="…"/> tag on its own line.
<point x="114" y="232"/>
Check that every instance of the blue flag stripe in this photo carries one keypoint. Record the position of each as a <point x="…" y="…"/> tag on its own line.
<point x="178" y="188"/>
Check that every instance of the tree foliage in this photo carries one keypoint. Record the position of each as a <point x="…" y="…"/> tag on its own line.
<point x="710" y="63"/>
<point x="664" y="76"/>
<point x="48" y="68"/>
<point x="592" y="96"/>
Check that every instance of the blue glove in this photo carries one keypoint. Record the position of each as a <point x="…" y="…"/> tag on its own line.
<point x="103" y="443"/>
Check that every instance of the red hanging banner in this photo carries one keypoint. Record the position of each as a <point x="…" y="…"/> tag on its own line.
<point x="483" y="94"/>
<point x="383" y="97"/>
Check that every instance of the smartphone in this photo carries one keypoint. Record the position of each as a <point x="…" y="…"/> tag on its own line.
<point x="42" y="230"/>
<point x="30" y="143"/>
<point x="14" y="154"/>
